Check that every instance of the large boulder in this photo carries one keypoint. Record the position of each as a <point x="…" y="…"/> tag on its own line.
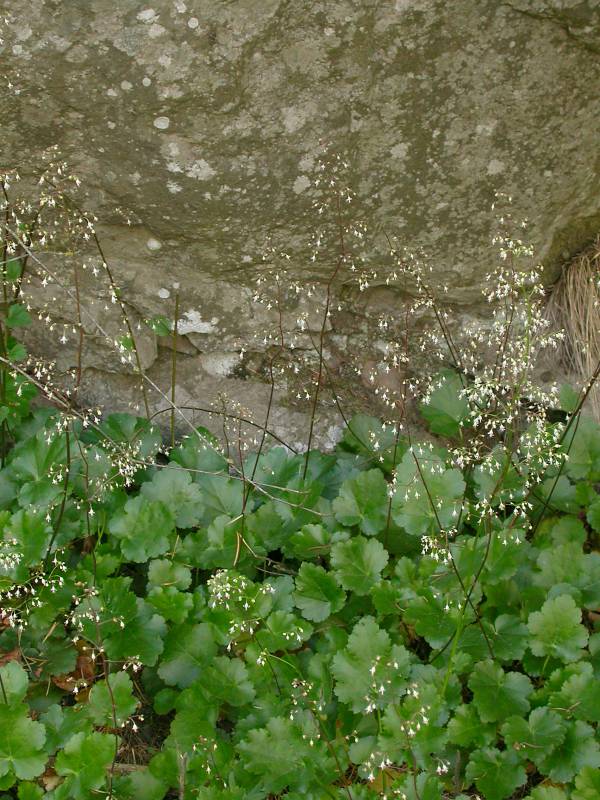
<point x="196" y="129"/>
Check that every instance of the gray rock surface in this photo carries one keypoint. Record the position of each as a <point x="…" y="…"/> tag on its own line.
<point x="203" y="122"/>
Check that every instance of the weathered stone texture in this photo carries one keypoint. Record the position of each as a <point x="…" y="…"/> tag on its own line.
<point x="203" y="120"/>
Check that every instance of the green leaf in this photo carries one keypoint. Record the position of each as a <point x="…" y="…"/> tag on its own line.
<point x="378" y="442"/>
<point x="497" y="774"/>
<point x="15" y="353"/>
<point x="62" y="723"/>
<point x="386" y="597"/>
<point x="140" y="784"/>
<point x="30" y="791"/>
<point x="566" y="563"/>
<point x="166" y="765"/>
<point x="13" y="268"/>
<point x="317" y="595"/>
<point x="226" y="680"/>
<point x="200" y="453"/>
<point x="267" y="527"/>
<point x="236" y="603"/>
<point x="587" y="785"/>
<point x="505" y="556"/>
<point x="163" y="572"/>
<point x="129" y="627"/>
<point x="283" y="631"/>
<point x="538" y="737"/>
<point x="565" y="530"/>
<point x="370" y="673"/>
<point x="127" y="343"/>
<point x="510" y="640"/>
<point x="17" y="317"/>
<point x="546" y="793"/>
<point x="578" y="749"/>
<point x="559" y="494"/>
<point x="585" y="494"/>
<point x="14" y="683"/>
<point x="557" y="631"/>
<point x="446" y="409"/>
<point x="31" y="533"/>
<point x="21" y="743"/>
<point x="143" y="529"/>
<point x="496" y="694"/>
<point x="313" y="541"/>
<point x="428" y="787"/>
<point x="173" y="486"/>
<point x="363" y="501"/>
<point x="414" y="728"/>
<point x="568" y="397"/>
<point x="36" y="457"/>
<point x="582" y="443"/>
<point x="188" y="649"/>
<point x="427" y="497"/>
<point x="195" y="721"/>
<point x="280" y="756"/>
<point x="594" y="648"/>
<point x="83" y="763"/>
<point x="497" y="479"/>
<point x="466" y="728"/>
<point x="112" y="706"/>
<point x="358" y="563"/>
<point x="39" y="495"/>
<point x="160" y="325"/>
<point x="581" y="694"/>
<point x="220" y="545"/>
<point x="276" y="469"/>
<point x="133" y="433"/>
<point x="238" y="794"/>
<point x="472" y="645"/>
<point x="170" y="603"/>
<point x="593" y="514"/>
<point x="221" y="495"/>
<point x="430" y="620"/>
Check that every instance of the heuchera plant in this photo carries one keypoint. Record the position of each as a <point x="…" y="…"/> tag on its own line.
<point x="387" y="625"/>
<point x="393" y="619"/>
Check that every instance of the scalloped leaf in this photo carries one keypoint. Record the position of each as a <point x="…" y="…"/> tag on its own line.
<point x="537" y="737"/>
<point x="188" y="649"/>
<point x="111" y="701"/>
<point x="84" y="762"/>
<point x="363" y="502"/>
<point x="557" y="631"/>
<point x="497" y="774"/>
<point x="370" y="672"/>
<point x="318" y="595"/>
<point x="587" y="785"/>
<point x="446" y="409"/>
<point x="22" y="741"/>
<point x="358" y="563"/>
<point x="144" y="529"/>
<point x="173" y="486"/>
<point x="498" y="694"/>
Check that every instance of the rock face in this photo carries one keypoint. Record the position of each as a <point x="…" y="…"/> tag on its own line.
<point x="203" y="123"/>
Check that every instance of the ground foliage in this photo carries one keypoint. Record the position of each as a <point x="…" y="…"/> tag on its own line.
<point x="156" y="641"/>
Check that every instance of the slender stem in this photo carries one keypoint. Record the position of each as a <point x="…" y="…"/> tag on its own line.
<point x="328" y="297"/>
<point x="174" y="369"/>
<point x="80" y="329"/>
<point x="63" y="501"/>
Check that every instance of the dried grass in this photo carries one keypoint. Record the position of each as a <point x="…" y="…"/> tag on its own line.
<point x="574" y="306"/>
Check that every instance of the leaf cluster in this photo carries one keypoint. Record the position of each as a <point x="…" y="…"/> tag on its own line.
<point x="172" y="630"/>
